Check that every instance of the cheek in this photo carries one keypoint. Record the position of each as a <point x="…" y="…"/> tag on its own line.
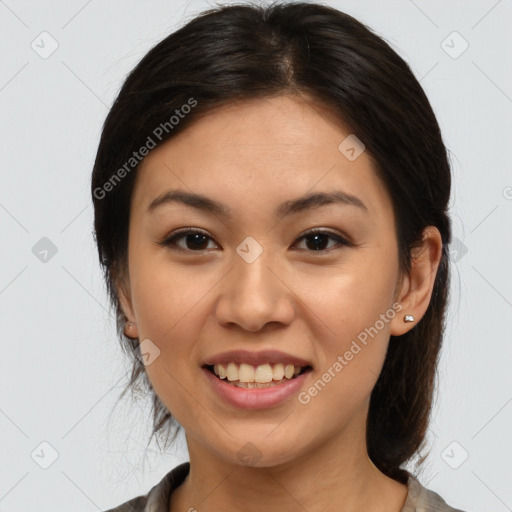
<point x="349" y="298"/>
<point x="165" y="295"/>
<point x="351" y="356"/>
<point x="356" y="308"/>
<point x="169" y="304"/>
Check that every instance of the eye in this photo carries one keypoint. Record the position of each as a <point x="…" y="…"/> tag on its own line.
<point x="195" y="237"/>
<point x="196" y="240"/>
<point x="319" y="236"/>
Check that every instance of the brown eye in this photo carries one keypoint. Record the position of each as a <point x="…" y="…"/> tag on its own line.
<point x="195" y="240"/>
<point x="317" y="239"/>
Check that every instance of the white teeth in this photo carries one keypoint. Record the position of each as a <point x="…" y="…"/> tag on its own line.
<point x="263" y="373"/>
<point x="220" y="371"/>
<point x="232" y="371"/>
<point x="246" y="375"/>
<point x="278" y="371"/>
<point x="251" y="385"/>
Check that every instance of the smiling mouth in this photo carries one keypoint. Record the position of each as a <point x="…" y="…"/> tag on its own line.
<point x="262" y="376"/>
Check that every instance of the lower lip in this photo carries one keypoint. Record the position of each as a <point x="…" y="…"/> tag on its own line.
<point x="256" y="398"/>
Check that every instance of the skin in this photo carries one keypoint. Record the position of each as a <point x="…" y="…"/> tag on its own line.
<point x="252" y="156"/>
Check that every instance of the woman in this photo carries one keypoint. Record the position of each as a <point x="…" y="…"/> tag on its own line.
<point x="270" y="195"/>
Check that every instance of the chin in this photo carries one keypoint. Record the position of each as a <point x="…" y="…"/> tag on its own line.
<point x="259" y="452"/>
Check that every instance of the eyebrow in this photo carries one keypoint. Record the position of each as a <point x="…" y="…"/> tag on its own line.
<point x="293" y="206"/>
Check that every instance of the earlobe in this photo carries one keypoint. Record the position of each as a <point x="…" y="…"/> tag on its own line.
<point x="416" y="288"/>
<point x="124" y="295"/>
<point x="130" y="330"/>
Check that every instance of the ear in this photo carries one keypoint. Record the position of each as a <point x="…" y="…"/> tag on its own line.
<point x="123" y="288"/>
<point x="416" y="288"/>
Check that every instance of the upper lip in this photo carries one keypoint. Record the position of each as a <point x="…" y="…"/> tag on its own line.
<point x="255" y="358"/>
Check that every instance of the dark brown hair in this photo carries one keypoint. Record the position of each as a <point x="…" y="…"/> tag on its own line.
<point x="247" y="51"/>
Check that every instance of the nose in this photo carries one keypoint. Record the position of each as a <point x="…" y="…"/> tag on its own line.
<point x="253" y="295"/>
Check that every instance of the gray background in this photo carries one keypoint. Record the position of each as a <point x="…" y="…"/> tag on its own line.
<point x="61" y="369"/>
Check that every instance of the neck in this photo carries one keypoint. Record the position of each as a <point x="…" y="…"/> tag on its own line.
<point x="335" y="475"/>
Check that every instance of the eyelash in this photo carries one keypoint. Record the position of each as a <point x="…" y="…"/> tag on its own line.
<point x="170" y="241"/>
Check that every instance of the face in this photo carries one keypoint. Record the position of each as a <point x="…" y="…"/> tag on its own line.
<point x="255" y="278"/>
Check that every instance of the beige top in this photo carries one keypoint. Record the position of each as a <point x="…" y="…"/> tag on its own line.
<point x="157" y="499"/>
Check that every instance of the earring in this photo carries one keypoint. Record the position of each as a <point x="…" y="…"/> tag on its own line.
<point x="129" y="325"/>
<point x="408" y="318"/>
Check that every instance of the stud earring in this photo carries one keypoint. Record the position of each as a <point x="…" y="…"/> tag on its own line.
<point x="408" y="318"/>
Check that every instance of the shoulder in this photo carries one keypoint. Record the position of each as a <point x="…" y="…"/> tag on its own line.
<point x="157" y="498"/>
<point x="421" y="499"/>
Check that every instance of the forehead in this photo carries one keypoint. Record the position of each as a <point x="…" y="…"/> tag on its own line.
<point x="257" y="153"/>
